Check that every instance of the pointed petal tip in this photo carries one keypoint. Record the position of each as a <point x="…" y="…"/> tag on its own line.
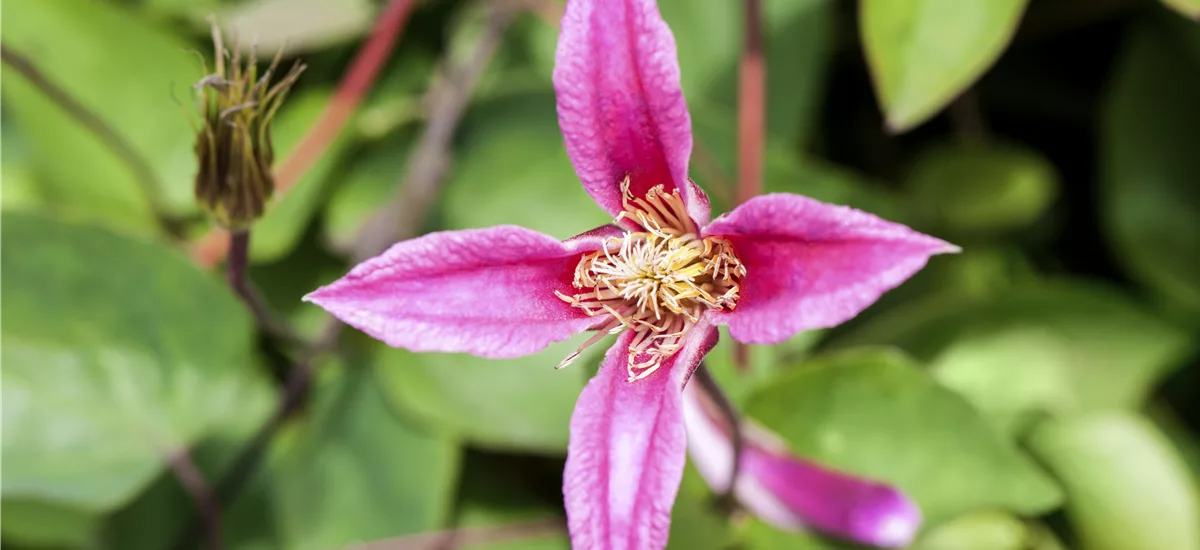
<point x="887" y="519"/>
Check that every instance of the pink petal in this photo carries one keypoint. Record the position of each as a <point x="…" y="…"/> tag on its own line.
<point x="488" y="292"/>
<point x="619" y="102"/>
<point x="813" y="265"/>
<point x="792" y="494"/>
<point x="626" y="455"/>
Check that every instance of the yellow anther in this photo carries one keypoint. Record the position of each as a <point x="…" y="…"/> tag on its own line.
<point x="656" y="282"/>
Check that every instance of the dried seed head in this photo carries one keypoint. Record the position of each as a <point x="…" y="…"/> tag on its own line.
<point x="233" y="145"/>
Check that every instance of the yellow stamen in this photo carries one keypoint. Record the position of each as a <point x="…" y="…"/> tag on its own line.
<point x="656" y="282"/>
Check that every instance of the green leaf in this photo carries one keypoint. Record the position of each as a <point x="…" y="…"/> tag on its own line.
<point x="756" y="535"/>
<point x="123" y="69"/>
<point x="116" y="353"/>
<point x="299" y="25"/>
<point x="1149" y="198"/>
<point x="765" y="362"/>
<point x="493" y="494"/>
<point x="923" y="53"/>
<point x="511" y="404"/>
<point x="983" y="530"/>
<point x="981" y="189"/>
<point x="288" y="215"/>
<point x="371" y="180"/>
<point x="697" y="522"/>
<point x="879" y="415"/>
<point x="513" y="169"/>
<point x="356" y="472"/>
<point x="1127" y="488"/>
<point x="1187" y="8"/>
<point x="1096" y="349"/>
<point x="799" y="39"/>
<point x="161" y="512"/>
<point x="38" y="523"/>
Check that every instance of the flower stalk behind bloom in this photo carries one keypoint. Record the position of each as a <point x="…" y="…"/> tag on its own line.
<point x="789" y="493"/>
<point x="233" y="145"/>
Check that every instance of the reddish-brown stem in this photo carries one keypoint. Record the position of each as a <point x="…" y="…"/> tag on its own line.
<point x="350" y="92"/>
<point x="207" y="507"/>
<point x="363" y="71"/>
<point x="751" y="105"/>
<point x="752" y="96"/>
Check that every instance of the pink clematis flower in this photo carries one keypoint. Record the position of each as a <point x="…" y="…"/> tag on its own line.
<point x="662" y="277"/>
<point x="789" y="493"/>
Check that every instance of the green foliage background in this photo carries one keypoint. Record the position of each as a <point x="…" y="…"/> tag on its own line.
<point x="1039" y="391"/>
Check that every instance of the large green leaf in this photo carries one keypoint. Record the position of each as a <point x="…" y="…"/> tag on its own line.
<point x="923" y="53"/>
<point x="1149" y="197"/>
<point x="877" y="414"/>
<point x="517" y="404"/>
<point x="1189" y="8"/>
<point x="981" y="189"/>
<point x="798" y="41"/>
<point x="355" y="471"/>
<point x="164" y="510"/>
<point x="1076" y="347"/>
<point x="513" y="169"/>
<point x="124" y="70"/>
<point x="500" y="493"/>
<point x="697" y="521"/>
<point x="116" y="352"/>
<point x="1127" y="487"/>
<point x="371" y="180"/>
<point x="983" y="530"/>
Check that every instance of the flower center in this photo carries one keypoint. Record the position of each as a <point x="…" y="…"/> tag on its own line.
<point x="657" y="281"/>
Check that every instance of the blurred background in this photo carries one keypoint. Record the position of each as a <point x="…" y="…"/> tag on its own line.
<point x="1039" y="391"/>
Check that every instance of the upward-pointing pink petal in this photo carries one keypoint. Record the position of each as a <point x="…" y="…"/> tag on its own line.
<point x="620" y="106"/>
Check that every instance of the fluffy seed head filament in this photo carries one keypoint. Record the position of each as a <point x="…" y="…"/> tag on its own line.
<point x="657" y="281"/>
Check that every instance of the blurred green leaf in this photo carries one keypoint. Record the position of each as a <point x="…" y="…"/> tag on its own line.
<point x="299" y="25"/>
<point x="512" y="404"/>
<point x="1109" y="351"/>
<point x="923" y="53"/>
<point x="798" y="36"/>
<point x="36" y="523"/>
<point x="1149" y="197"/>
<point x="18" y="190"/>
<point x="757" y="535"/>
<point x="697" y="522"/>
<point x="131" y="74"/>
<point x="981" y="189"/>
<point x="496" y="494"/>
<point x="355" y="471"/>
<point x="765" y="362"/>
<point x="983" y="530"/>
<point x="370" y="181"/>
<point x="290" y="212"/>
<point x="117" y="352"/>
<point x="512" y="169"/>
<point x="164" y="510"/>
<point x="1127" y="488"/>
<point x="877" y="414"/>
<point x="1188" y="8"/>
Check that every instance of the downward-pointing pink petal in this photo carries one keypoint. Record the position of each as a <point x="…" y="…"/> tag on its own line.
<point x="620" y="106"/>
<point x="790" y="493"/>
<point x="489" y="292"/>
<point x="813" y="265"/>
<point x="627" y="450"/>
